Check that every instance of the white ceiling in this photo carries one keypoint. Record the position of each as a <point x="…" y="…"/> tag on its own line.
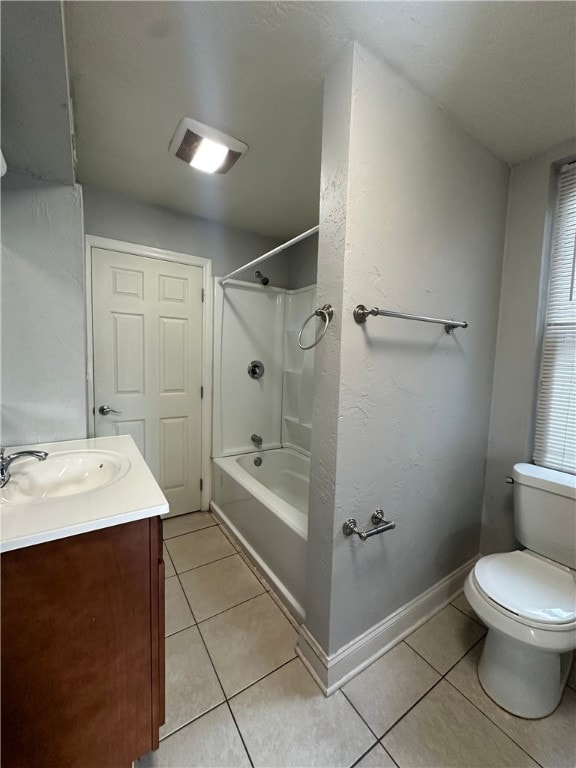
<point x="505" y="70"/>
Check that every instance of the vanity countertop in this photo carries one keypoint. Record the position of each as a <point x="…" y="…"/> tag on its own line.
<point x="132" y="496"/>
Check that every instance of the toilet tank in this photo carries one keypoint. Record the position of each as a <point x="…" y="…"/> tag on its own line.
<point x="545" y="512"/>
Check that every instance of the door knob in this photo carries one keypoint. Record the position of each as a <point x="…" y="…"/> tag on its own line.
<point x="104" y="410"/>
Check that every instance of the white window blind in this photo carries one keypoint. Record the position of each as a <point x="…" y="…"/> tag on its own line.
<point x="555" y="443"/>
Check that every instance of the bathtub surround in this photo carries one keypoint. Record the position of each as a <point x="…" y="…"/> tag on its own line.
<point x="521" y="318"/>
<point x="255" y="323"/>
<point x="413" y="215"/>
<point x="43" y="311"/>
<point x="260" y="489"/>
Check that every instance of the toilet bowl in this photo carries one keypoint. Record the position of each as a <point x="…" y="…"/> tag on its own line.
<point x="528" y="604"/>
<point x="527" y="598"/>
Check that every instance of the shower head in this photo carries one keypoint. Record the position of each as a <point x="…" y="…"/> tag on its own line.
<point x="259" y="276"/>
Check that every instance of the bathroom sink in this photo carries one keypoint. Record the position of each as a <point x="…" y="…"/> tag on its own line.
<point x="67" y="473"/>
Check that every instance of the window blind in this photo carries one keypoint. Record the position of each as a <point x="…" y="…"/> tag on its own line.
<point x="555" y="441"/>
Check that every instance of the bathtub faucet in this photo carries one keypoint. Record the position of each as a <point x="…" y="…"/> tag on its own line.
<point x="257" y="440"/>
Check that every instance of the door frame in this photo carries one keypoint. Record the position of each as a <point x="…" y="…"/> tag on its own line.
<point x="134" y="249"/>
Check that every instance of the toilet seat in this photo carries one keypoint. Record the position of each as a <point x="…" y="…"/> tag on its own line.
<point x="532" y="588"/>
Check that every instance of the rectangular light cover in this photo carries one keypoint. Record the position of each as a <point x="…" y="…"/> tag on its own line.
<point x="205" y="148"/>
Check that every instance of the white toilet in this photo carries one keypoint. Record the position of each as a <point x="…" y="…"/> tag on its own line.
<point x="527" y="598"/>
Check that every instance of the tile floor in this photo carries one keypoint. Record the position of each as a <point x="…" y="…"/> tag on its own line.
<point x="237" y="695"/>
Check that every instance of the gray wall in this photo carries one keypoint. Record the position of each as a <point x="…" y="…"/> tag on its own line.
<point x="111" y="214"/>
<point x="519" y="337"/>
<point x="413" y="214"/>
<point x="303" y="259"/>
<point x="43" y="312"/>
<point x="36" y="111"/>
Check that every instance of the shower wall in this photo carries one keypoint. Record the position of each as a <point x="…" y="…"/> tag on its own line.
<point x="253" y="322"/>
<point x="298" y="370"/>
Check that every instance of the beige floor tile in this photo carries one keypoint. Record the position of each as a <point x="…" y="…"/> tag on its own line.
<point x="551" y="741"/>
<point x="445" y="729"/>
<point x="217" y="586"/>
<point x="177" y="614"/>
<point x="287" y="721"/>
<point x="400" y="678"/>
<point x="445" y="638"/>
<point x="248" y="641"/>
<point x="376" y="758"/>
<point x="198" y="548"/>
<point x="212" y="741"/>
<point x="194" y="521"/>
<point x="192" y="687"/>
<point x="463" y="605"/>
<point x="168" y="565"/>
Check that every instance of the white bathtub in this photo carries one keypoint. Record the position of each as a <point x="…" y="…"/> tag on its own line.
<point x="266" y="508"/>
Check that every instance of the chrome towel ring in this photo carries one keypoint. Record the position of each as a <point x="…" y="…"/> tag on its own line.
<point x="326" y="313"/>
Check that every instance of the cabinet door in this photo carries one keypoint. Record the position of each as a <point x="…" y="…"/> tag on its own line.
<point x="77" y="652"/>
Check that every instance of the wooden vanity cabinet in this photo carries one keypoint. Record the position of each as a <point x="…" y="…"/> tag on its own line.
<point x="83" y="649"/>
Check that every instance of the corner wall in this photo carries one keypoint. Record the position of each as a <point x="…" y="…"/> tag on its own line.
<point x="519" y="339"/>
<point x="412" y="219"/>
<point x="43" y="312"/>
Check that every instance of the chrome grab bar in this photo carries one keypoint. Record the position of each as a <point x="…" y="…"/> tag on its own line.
<point x="361" y="313"/>
<point x="350" y="527"/>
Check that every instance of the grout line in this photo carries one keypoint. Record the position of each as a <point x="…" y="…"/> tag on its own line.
<point x="433" y="668"/>
<point x="271" y="672"/>
<point x="164" y="547"/>
<point x="178" y="631"/>
<point x="366" y="723"/>
<point x="363" y="755"/>
<point x="458" y="660"/>
<point x="195" y="568"/>
<point x="395" y="723"/>
<point x="231" y="607"/>
<point x="240" y="733"/>
<point x="494" y="722"/>
<point x="193" y="720"/>
<point x="187" y="533"/>
<point x="472" y="618"/>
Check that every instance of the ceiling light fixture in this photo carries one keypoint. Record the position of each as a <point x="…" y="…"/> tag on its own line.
<point x="205" y="148"/>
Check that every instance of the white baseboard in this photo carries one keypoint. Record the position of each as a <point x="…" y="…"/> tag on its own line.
<point x="331" y="672"/>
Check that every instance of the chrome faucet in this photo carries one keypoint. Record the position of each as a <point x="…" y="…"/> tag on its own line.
<point x="5" y="462"/>
<point x="257" y="440"/>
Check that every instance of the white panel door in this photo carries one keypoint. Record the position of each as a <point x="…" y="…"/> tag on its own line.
<point x="147" y="328"/>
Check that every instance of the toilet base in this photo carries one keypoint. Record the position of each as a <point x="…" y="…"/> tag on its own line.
<point x="524" y="680"/>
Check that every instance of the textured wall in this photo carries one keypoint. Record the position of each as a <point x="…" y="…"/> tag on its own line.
<point x="43" y="312"/>
<point x="322" y="533"/>
<point x="518" y="348"/>
<point x="415" y="207"/>
<point x="36" y="110"/>
<point x="111" y="214"/>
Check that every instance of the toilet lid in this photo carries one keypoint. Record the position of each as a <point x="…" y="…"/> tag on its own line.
<point x="528" y="586"/>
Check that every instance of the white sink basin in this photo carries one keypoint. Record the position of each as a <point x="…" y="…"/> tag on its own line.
<point x="66" y="473"/>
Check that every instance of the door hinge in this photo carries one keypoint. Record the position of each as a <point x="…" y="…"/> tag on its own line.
<point x="201" y="392"/>
<point x="203" y="294"/>
<point x="201" y="484"/>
